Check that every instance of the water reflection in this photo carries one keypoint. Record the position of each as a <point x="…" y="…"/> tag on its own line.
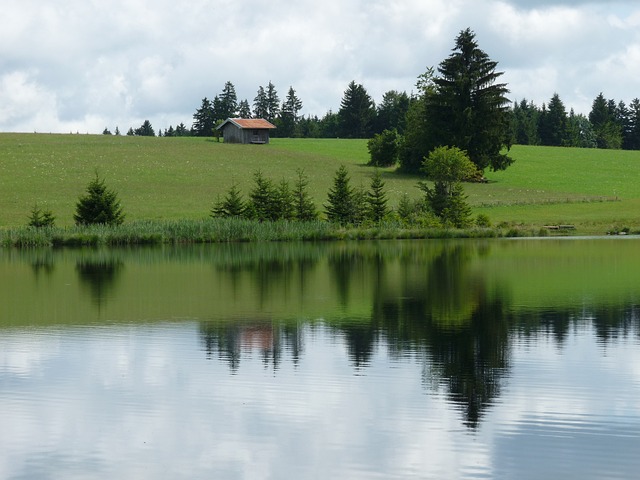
<point x="99" y="272"/>
<point x="456" y="308"/>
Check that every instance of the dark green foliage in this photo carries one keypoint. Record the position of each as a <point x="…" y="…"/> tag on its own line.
<point x="204" y="120"/>
<point x="340" y="207"/>
<point x="231" y="206"/>
<point x="580" y="132"/>
<point x="606" y="122"/>
<point x="525" y="123"/>
<point x="283" y="208"/>
<point x="376" y="199"/>
<point x="392" y="111"/>
<point x="357" y="112"/>
<point x="39" y="218"/>
<point x="469" y="109"/>
<point x="263" y="203"/>
<point x="303" y="207"/>
<point x="552" y="123"/>
<point x="417" y="138"/>
<point x="145" y="130"/>
<point x="244" y="110"/>
<point x="633" y="137"/>
<point x="225" y="105"/>
<point x="384" y="148"/>
<point x="289" y="114"/>
<point x="99" y="206"/>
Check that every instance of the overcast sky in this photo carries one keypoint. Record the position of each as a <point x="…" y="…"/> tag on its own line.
<point x="83" y="65"/>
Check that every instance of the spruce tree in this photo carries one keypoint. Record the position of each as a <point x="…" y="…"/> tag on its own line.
<point x="231" y="206"/>
<point x="283" y="202"/>
<point x="99" y="206"/>
<point x="376" y="199"/>
<point x="469" y="109"/>
<point x="303" y="207"/>
<point x="39" y="218"/>
<point x="340" y="207"/>
<point x="262" y="204"/>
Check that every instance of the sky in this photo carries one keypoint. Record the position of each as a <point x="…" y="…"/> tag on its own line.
<point x="83" y="65"/>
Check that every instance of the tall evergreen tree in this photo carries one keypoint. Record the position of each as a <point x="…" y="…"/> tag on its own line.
<point x="392" y="111"/>
<point x="340" y="207"/>
<point x="633" y="141"/>
<point x="553" y="123"/>
<point x="376" y="199"/>
<point x="273" y="102"/>
<point x="303" y="207"/>
<point x="525" y="123"/>
<point x="145" y="130"/>
<point x="244" y="110"/>
<point x="204" y="120"/>
<point x="262" y="203"/>
<point x="289" y="113"/>
<point x="602" y="117"/>
<point x="227" y="102"/>
<point x="470" y="109"/>
<point x="357" y="112"/>
<point x="260" y="104"/>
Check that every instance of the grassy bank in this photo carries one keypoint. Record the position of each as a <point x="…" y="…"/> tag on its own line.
<point x="166" y="180"/>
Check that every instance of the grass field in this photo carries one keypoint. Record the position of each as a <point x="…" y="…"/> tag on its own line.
<point x="180" y="178"/>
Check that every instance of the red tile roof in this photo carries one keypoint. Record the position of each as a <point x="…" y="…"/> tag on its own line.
<point x="249" y="123"/>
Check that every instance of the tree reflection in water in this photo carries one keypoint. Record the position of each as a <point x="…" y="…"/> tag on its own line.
<point x="99" y="272"/>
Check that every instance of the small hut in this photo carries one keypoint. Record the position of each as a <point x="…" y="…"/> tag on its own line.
<point x="245" y="130"/>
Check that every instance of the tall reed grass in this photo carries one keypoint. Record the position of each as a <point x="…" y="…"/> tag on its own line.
<point x="220" y="230"/>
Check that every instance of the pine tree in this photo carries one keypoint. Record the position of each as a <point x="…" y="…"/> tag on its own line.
<point x="553" y="123"/>
<point x="357" y="112"/>
<point x="289" y="114"/>
<point x="39" y="218"/>
<point x="376" y="199"/>
<point x="99" y="206"/>
<point x="227" y="105"/>
<point x="145" y="130"/>
<point x="260" y="105"/>
<point x="303" y="207"/>
<point x="262" y="198"/>
<point x="340" y="207"/>
<point x="204" y="121"/>
<point x="272" y="102"/>
<point x="231" y="206"/>
<point x="283" y="202"/>
<point x="244" y="110"/>
<point x="469" y="109"/>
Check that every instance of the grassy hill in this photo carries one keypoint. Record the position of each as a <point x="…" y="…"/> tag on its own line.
<point x="180" y="178"/>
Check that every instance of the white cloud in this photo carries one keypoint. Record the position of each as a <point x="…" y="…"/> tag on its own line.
<point x="99" y="64"/>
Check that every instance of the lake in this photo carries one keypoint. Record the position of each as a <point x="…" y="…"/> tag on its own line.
<point x="402" y="359"/>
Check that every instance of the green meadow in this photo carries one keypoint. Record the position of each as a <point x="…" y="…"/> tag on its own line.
<point x="180" y="178"/>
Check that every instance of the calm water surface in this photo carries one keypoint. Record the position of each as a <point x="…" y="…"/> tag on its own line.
<point x="426" y="359"/>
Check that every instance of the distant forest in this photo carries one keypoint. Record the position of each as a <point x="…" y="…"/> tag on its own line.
<point x="610" y="123"/>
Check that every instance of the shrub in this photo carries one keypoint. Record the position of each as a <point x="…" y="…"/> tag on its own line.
<point x="39" y="218"/>
<point x="384" y="148"/>
<point x="483" y="221"/>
